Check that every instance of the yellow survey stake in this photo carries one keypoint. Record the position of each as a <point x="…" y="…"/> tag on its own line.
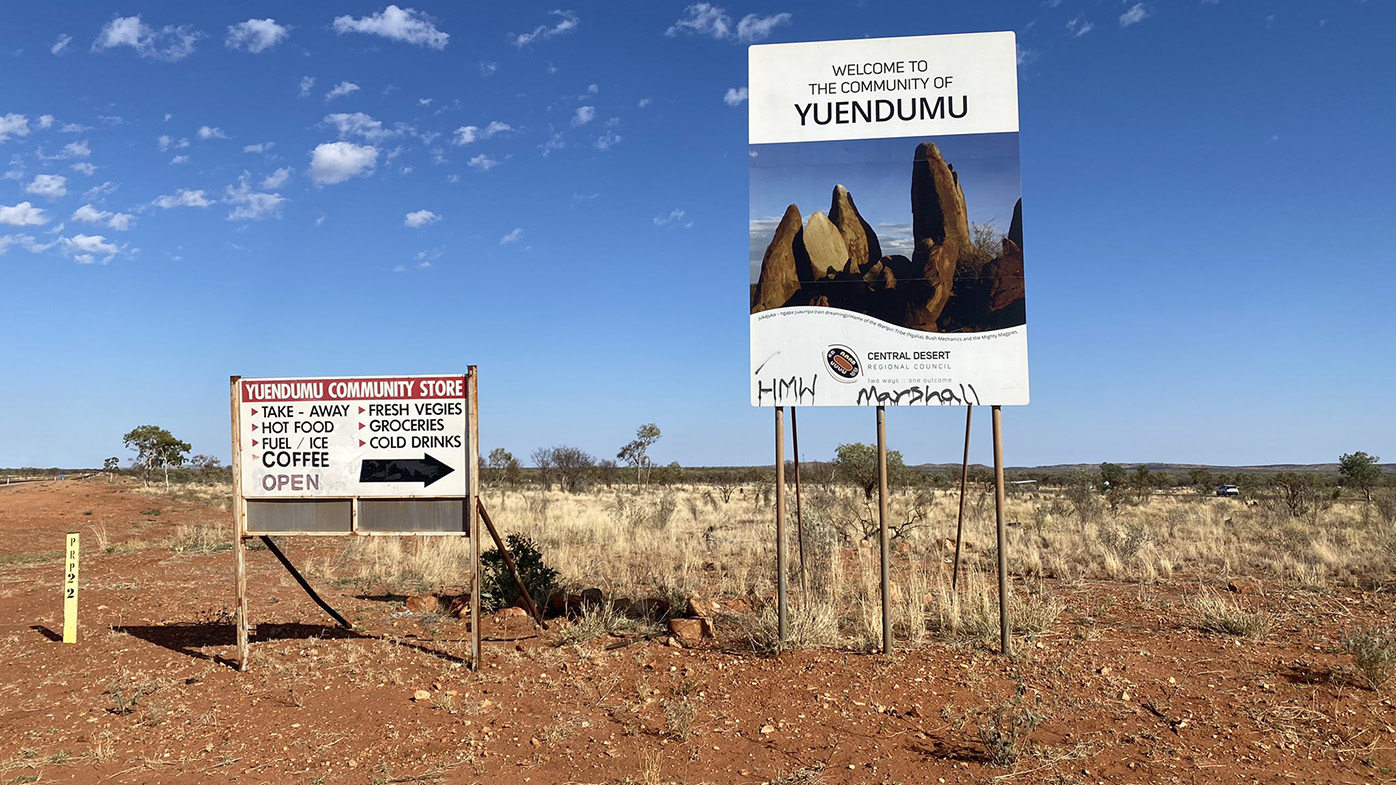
<point x="70" y="591"/>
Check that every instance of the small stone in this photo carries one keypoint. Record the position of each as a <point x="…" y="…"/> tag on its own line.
<point x="421" y="695"/>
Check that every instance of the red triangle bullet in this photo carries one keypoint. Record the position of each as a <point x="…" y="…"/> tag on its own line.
<point x="254" y="426"/>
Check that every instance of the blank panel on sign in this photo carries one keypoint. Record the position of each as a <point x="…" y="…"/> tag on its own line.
<point x="394" y="515"/>
<point x="329" y="517"/>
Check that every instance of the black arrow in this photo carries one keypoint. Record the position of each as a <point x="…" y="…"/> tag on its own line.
<point x="426" y="471"/>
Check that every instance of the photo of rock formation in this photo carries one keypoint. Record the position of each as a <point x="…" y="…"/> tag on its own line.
<point x="955" y="281"/>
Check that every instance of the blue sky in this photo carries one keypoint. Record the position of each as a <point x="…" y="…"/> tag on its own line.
<point x="558" y="194"/>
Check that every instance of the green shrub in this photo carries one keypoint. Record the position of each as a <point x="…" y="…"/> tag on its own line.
<point x="499" y="590"/>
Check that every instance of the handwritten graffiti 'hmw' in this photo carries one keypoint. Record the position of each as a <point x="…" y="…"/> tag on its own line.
<point x="786" y="392"/>
<point x="918" y="395"/>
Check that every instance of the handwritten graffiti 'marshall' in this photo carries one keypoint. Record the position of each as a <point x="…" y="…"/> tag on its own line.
<point x="790" y="391"/>
<point x="918" y="395"/>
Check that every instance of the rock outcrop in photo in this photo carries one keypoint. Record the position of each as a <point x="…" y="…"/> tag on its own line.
<point x="948" y="285"/>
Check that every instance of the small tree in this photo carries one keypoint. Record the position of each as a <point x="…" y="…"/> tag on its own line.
<point x="1359" y="470"/>
<point x="156" y="448"/>
<point x="501" y="468"/>
<point x="110" y="466"/>
<point x="634" y="453"/>
<point x="1201" y="480"/>
<point x="857" y="464"/>
<point x="543" y="459"/>
<point x="607" y="472"/>
<point x="574" y="468"/>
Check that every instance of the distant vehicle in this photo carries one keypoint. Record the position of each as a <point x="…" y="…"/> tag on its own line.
<point x="1228" y="490"/>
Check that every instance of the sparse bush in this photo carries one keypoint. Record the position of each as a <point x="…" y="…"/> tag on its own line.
<point x="1213" y="613"/>
<point x="1004" y="729"/>
<point x="807" y="626"/>
<point x="600" y="620"/>
<point x="1373" y="651"/>
<point x="202" y="537"/>
<point x="1124" y="539"/>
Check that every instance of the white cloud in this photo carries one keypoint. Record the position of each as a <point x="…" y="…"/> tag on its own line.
<point x="555" y="142"/>
<point x="256" y="35"/>
<point x="77" y="149"/>
<point x="675" y="219"/>
<point x="567" y="22"/>
<point x="84" y="249"/>
<point x="399" y="24"/>
<point x="755" y="28"/>
<point x="424" y="102"/>
<point x="709" y="20"/>
<point x="61" y="45"/>
<point x="483" y="162"/>
<point x="643" y="103"/>
<point x="488" y="68"/>
<point x="703" y="19"/>
<point x="180" y="159"/>
<point x="260" y="147"/>
<point x="608" y="140"/>
<point x="83" y="167"/>
<point x="99" y="191"/>
<point x="25" y="241"/>
<point x="340" y="90"/>
<point x="13" y="125"/>
<point x="170" y="43"/>
<point x="358" y="124"/>
<point x="336" y="162"/>
<point x="250" y="205"/>
<point x="1134" y="15"/>
<point x="276" y="179"/>
<point x="182" y="198"/>
<point x="1026" y="57"/>
<point x="1079" y="26"/>
<point x="45" y="121"/>
<point x="70" y="128"/>
<point x="206" y="133"/>
<point x="22" y="214"/>
<point x="735" y="96"/>
<point x="307" y="82"/>
<point x="512" y="237"/>
<point x="420" y="218"/>
<point x="470" y="133"/>
<point x="91" y="215"/>
<point x="50" y="185"/>
<point x="584" y="115"/>
<point x="168" y="142"/>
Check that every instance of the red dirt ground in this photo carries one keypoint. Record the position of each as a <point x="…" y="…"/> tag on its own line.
<point x="1130" y="692"/>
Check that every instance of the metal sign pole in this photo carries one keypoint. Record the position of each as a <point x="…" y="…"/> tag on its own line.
<point x="780" y="524"/>
<point x="1005" y="640"/>
<point x="472" y="381"/>
<point x="239" y="526"/>
<point x="882" y="529"/>
<point x="799" y="519"/>
<point x="960" y="520"/>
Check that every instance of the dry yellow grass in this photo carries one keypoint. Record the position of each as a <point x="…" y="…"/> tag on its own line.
<point x="680" y="541"/>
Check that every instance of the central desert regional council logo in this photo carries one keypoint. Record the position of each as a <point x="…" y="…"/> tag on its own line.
<point x="842" y="363"/>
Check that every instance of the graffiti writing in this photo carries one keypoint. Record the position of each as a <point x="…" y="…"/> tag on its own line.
<point x="790" y="391"/>
<point x="918" y="395"/>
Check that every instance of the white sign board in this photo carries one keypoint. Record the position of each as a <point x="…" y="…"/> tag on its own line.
<point x="886" y="256"/>
<point x="396" y="437"/>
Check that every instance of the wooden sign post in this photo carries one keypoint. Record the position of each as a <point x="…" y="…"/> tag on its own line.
<point x="70" y="590"/>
